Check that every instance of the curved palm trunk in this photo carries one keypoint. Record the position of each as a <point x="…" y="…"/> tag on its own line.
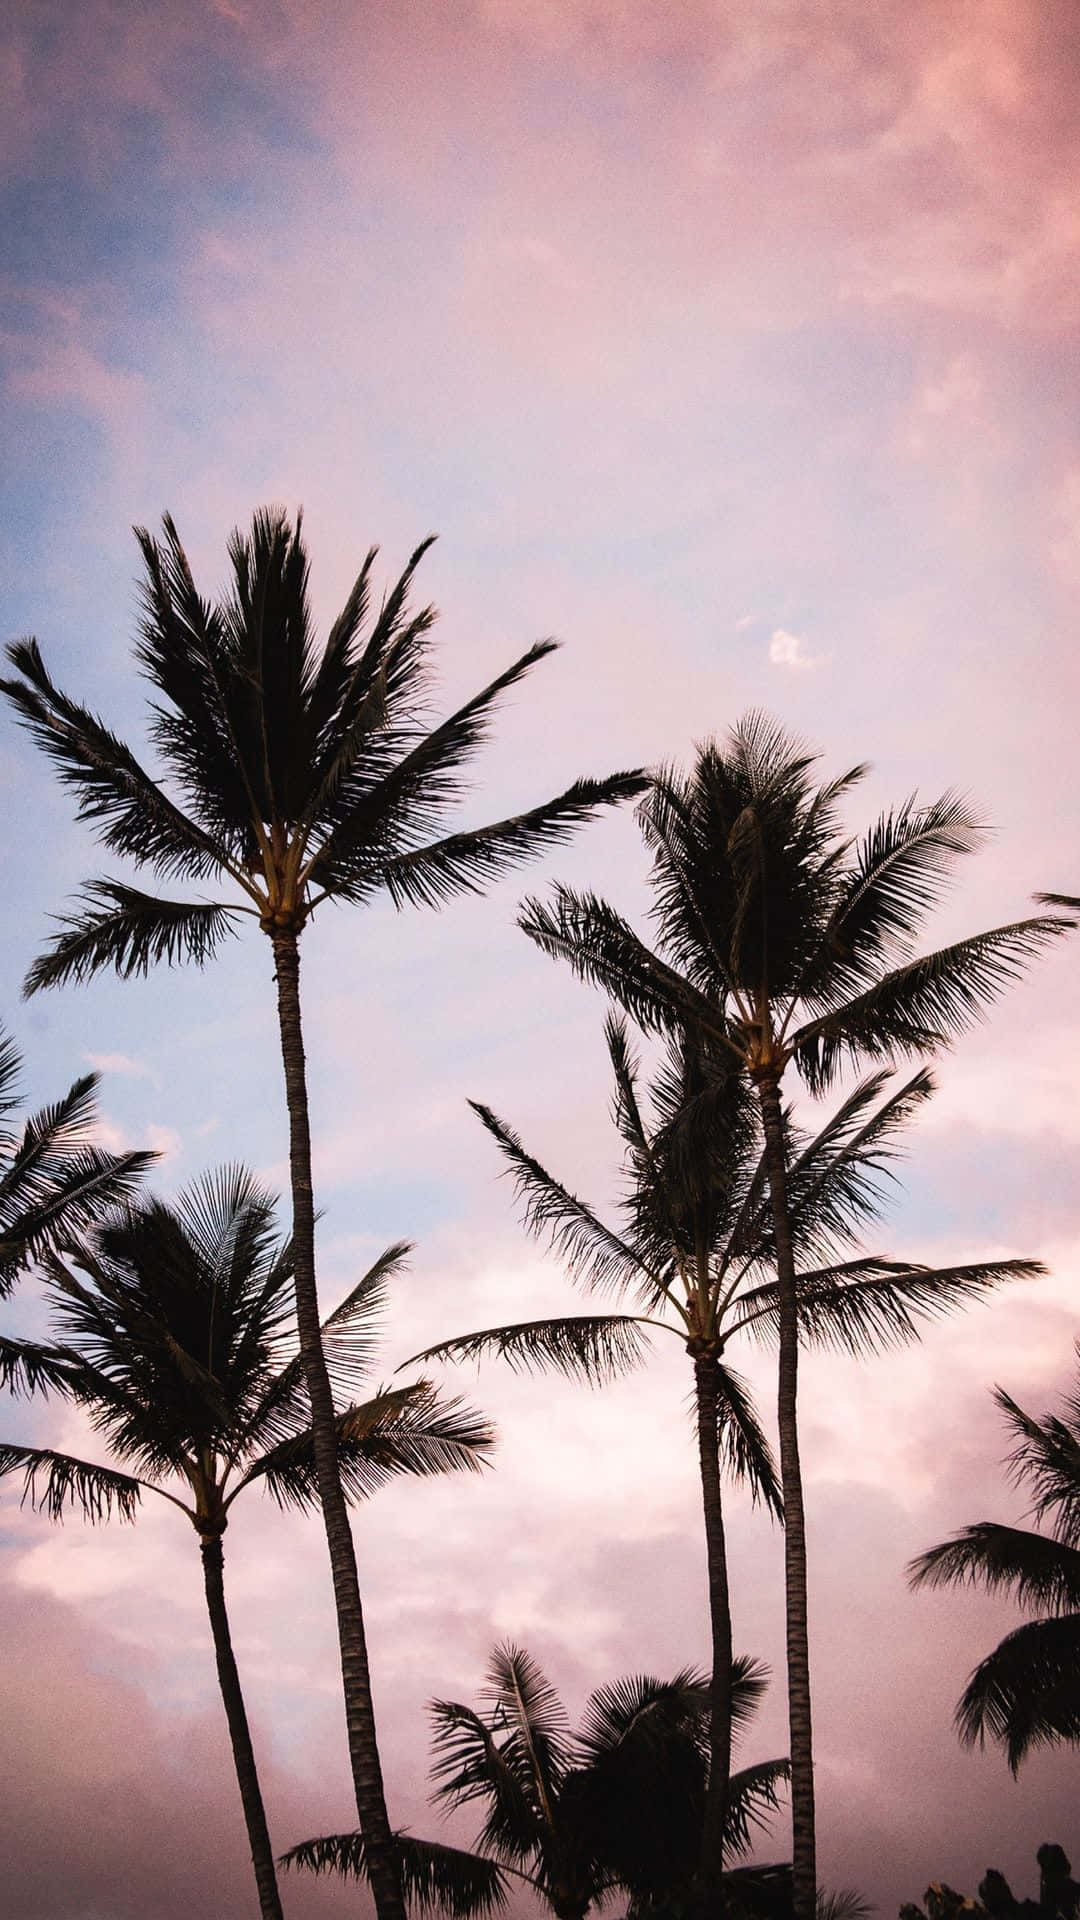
<point x="381" y="1853"/>
<point x="262" y="1857"/>
<point x="803" y="1833"/>
<point x="709" y="1901"/>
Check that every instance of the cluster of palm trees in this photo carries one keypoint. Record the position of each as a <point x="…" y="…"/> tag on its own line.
<point x="190" y="1333"/>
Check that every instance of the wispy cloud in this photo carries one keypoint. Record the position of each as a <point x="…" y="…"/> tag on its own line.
<point x="789" y="650"/>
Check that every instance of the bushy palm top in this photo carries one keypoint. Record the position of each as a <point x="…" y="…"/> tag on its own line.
<point x="172" y="1330"/>
<point x="53" y="1180"/>
<point x="295" y="772"/>
<point x="778" y="934"/>
<point x="1026" y="1693"/>
<point x="615" y="1804"/>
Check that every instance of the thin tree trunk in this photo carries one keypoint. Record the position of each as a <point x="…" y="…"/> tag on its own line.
<point x="709" y="1900"/>
<point x="379" y="1846"/>
<point x="262" y="1857"/>
<point x="803" y="1832"/>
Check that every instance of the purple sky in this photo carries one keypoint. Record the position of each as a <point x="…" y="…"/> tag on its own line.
<point x="735" y="344"/>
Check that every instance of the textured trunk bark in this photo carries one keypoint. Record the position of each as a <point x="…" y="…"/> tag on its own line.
<point x="803" y="1832"/>
<point x="262" y="1857"/>
<point x="709" y="1896"/>
<point x="379" y="1846"/>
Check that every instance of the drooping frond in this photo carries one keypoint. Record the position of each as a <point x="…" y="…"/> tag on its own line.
<point x="842" y="1903"/>
<point x="1041" y="1573"/>
<point x="129" y="810"/>
<point x="839" y="1182"/>
<point x="471" y="1761"/>
<point x="55" y="1483"/>
<point x="753" y="1799"/>
<point x="435" y="1878"/>
<point x="594" y="1254"/>
<point x="595" y="1348"/>
<point x="27" y="1367"/>
<point x="744" y="1451"/>
<point x="924" y="1005"/>
<point x="408" y="1430"/>
<point x="603" y="949"/>
<point x="1027" y="1692"/>
<point x="117" y="927"/>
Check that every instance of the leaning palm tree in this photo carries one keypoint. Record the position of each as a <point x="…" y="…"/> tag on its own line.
<point x="1027" y="1692"/>
<point x="291" y="776"/>
<point x="53" y="1180"/>
<point x="785" y="943"/>
<point x="173" y="1333"/>
<point x="696" y="1251"/>
<point x="616" y="1806"/>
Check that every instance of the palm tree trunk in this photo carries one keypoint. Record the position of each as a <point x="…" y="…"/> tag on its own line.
<point x="381" y="1853"/>
<point x="711" y="1858"/>
<point x="262" y="1857"/>
<point x="803" y="1833"/>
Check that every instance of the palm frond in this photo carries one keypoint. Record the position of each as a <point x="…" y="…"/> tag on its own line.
<point x="132" y="814"/>
<point x="1039" y="1572"/>
<point x="435" y="1878"/>
<point x="753" y="1799"/>
<point x="29" y="1366"/>
<point x="643" y="1711"/>
<point x="596" y="1256"/>
<point x="1026" y="1693"/>
<point x="594" y="1348"/>
<point x="839" y="1181"/>
<point x="408" y="1430"/>
<point x="54" y="1483"/>
<point x="470" y="1763"/>
<point x="468" y="862"/>
<point x="117" y="927"/>
<point x="1047" y="1458"/>
<point x="870" y="1305"/>
<point x="924" y="1005"/>
<point x="744" y="1451"/>
<point x="603" y="949"/>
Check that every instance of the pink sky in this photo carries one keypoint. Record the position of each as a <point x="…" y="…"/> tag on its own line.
<point x="735" y="344"/>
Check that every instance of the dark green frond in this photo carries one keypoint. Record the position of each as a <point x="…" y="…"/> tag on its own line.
<point x="744" y="1451"/>
<point x="869" y="1305"/>
<point x="594" y="1254"/>
<point x="117" y="927"/>
<point x="923" y="1006"/>
<point x="603" y="949"/>
<point x="594" y="1348"/>
<point x="1040" y="1573"/>
<point x="469" y="862"/>
<point x="54" y="1483"/>
<point x="754" y="1797"/>
<point x="409" y="1430"/>
<point x="435" y="1878"/>
<point x="27" y="1366"/>
<point x="1027" y="1692"/>
<point x="644" y="1712"/>
<point x="1047" y="1459"/>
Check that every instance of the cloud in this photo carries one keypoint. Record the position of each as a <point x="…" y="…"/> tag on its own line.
<point x="789" y="650"/>
<point x="121" y="1063"/>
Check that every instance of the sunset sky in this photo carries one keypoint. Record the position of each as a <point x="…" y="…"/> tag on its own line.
<point x="735" y="344"/>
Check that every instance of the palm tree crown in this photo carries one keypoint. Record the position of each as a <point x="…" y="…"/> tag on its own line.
<point x="615" y="1805"/>
<point x="173" y="1328"/>
<point x="1026" y="1693"/>
<point x="298" y="775"/>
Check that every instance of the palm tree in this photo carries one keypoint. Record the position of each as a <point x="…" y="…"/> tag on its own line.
<point x="52" y="1180"/>
<point x="696" y="1250"/>
<point x="291" y="776"/>
<point x="786" y="943"/>
<point x="173" y="1329"/>
<point x="617" y="1805"/>
<point x="1027" y="1692"/>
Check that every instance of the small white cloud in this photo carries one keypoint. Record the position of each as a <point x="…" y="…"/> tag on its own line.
<point x="117" y="1063"/>
<point x="789" y="650"/>
<point x="165" y="1141"/>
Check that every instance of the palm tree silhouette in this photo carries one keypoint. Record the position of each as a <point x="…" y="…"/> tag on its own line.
<point x="298" y="777"/>
<point x="174" y="1335"/>
<point x="1026" y="1693"/>
<point x="785" y="943"/>
<point x="615" y="1806"/>
<point x="696" y="1250"/>
<point x="52" y="1179"/>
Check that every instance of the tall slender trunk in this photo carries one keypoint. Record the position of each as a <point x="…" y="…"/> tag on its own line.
<point x="379" y="1846"/>
<point x="709" y="1898"/>
<point x="803" y="1833"/>
<point x="262" y="1857"/>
